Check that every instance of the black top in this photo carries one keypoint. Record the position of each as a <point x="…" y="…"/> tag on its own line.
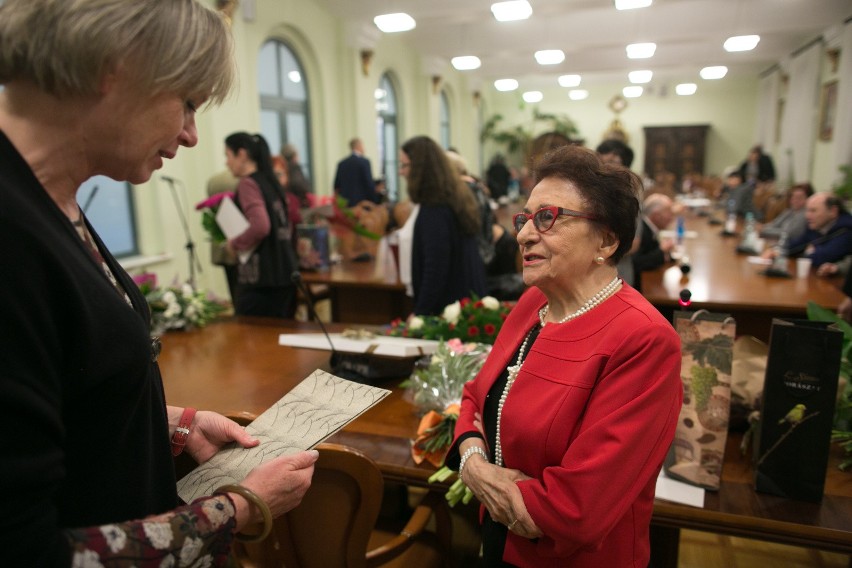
<point x="82" y="406"/>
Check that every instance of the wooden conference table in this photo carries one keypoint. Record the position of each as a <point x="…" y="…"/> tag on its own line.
<point x="721" y="280"/>
<point x="237" y="365"/>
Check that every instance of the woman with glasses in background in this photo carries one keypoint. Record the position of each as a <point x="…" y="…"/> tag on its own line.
<point x="563" y="432"/>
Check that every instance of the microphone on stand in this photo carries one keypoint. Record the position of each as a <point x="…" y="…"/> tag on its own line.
<point x="190" y="245"/>
<point x="90" y="198"/>
<point x="334" y="360"/>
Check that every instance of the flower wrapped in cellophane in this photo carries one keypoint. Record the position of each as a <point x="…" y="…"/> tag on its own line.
<point x="436" y="388"/>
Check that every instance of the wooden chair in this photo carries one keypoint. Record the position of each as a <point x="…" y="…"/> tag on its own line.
<point x="335" y="525"/>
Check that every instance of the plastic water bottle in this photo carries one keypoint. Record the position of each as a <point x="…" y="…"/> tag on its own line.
<point x="731" y="221"/>
<point x="750" y="234"/>
<point x="780" y="261"/>
<point x="680" y="230"/>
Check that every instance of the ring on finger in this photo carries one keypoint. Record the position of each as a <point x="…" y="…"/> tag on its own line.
<point x="512" y="524"/>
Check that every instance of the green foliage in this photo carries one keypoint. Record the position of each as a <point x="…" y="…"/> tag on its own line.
<point x="470" y="319"/>
<point x="844" y="188"/>
<point x="518" y="139"/>
<point x="208" y="222"/>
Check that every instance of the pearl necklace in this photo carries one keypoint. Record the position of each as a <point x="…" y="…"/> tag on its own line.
<point x="515" y="369"/>
<point x="513" y="374"/>
<point x="592" y="302"/>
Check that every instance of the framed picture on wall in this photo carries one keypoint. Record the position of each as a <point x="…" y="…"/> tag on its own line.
<point x="827" y="110"/>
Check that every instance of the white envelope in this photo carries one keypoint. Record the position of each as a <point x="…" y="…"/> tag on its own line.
<point x="233" y="223"/>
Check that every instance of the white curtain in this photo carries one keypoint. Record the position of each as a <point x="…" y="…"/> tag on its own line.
<point x="766" y="125"/>
<point x="843" y="115"/>
<point x="799" y="123"/>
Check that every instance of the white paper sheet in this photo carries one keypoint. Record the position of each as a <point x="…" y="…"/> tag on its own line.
<point x="383" y="345"/>
<point x="233" y="223"/>
<point x="669" y="489"/>
<point x="315" y="409"/>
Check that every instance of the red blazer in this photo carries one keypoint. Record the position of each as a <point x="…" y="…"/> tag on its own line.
<point x="590" y="418"/>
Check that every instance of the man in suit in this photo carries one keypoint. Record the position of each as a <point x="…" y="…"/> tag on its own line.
<point x="828" y="237"/>
<point x="354" y="178"/>
<point x="657" y="214"/>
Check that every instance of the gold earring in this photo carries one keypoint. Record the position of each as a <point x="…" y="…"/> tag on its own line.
<point x="599" y="259"/>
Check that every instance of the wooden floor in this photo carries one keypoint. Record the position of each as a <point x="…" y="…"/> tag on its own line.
<point x="707" y="550"/>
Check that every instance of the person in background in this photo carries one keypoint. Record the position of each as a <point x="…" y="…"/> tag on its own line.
<point x="792" y="219"/>
<point x="563" y="432"/>
<point x="297" y="184"/>
<point x="657" y="215"/>
<point x="618" y="153"/>
<point x="90" y="481"/>
<point x="497" y="178"/>
<point x="354" y="177"/>
<point x="294" y="215"/>
<point x="739" y="194"/>
<point x="439" y="255"/>
<point x="828" y="237"/>
<point x="757" y="166"/>
<point x="264" y="278"/>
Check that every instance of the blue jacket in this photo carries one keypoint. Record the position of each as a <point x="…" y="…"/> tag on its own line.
<point x="830" y="247"/>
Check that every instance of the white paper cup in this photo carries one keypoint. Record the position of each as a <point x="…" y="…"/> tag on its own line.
<point x="803" y="267"/>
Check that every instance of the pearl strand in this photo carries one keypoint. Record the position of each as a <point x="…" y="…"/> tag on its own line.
<point x="592" y="302"/>
<point x="513" y="374"/>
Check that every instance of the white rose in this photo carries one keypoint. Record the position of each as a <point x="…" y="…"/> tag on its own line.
<point x="491" y="302"/>
<point x="169" y="297"/>
<point x="187" y="291"/>
<point x="415" y="323"/>
<point x="452" y="312"/>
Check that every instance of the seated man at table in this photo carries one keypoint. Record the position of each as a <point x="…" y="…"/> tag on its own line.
<point x="657" y="214"/>
<point x="828" y="237"/>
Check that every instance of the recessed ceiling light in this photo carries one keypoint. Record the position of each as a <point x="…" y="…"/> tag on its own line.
<point x="569" y="80"/>
<point x="549" y="56"/>
<point x="632" y="92"/>
<point x="641" y="50"/>
<point x="398" y="22"/>
<point x="715" y="72"/>
<point x="294" y="76"/>
<point x="643" y="76"/>
<point x="505" y="84"/>
<point x="578" y="94"/>
<point x="741" y="43"/>
<point x="511" y="10"/>
<point x="533" y="96"/>
<point x="466" y="62"/>
<point x="686" y="89"/>
<point x="631" y="4"/>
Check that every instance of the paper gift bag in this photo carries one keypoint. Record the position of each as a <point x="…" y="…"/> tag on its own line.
<point x="698" y="450"/>
<point x="791" y="455"/>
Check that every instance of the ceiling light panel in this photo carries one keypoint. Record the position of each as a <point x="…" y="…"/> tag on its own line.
<point x="639" y="77"/>
<point x="686" y="89"/>
<point x="632" y="92"/>
<point x="392" y="23"/>
<point x="741" y="43"/>
<point x="631" y="4"/>
<point x="466" y="62"/>
<point x="569" y="80"/>
<point x="549" y="56"/>
<point x="505" y="84"/>
<point x="533" y="96"/>
<point x="578" y="94"/>
<point x="511" y="11"/>
<point x="715" y="72"/>
<point x="641" y="50"/>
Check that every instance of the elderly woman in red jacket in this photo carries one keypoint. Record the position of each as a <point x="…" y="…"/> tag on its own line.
<point x="563" y="432"/>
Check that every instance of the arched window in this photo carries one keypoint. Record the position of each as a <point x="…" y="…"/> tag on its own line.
<point x="388" y="134"/>
<point x="284" y="101"/>
<point x="445" y="120"/>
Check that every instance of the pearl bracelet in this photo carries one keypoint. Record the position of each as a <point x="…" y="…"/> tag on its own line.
<point x="470" y="451"/>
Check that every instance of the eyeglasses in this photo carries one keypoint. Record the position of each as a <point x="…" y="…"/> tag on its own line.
<point x="544" y="218"/>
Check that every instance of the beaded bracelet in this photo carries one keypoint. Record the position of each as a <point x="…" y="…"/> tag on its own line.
<point x="253" y="499"/>
<point x="469" y="452"/>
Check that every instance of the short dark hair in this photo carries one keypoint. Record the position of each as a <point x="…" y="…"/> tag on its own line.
<point x="619" y="148"/>
<point x="611" y="193"/>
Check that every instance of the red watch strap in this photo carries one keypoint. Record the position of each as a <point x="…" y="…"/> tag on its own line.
<point x="182" y="431"/>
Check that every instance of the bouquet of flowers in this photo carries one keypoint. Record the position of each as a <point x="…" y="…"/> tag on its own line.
<point x="177" y="307"/>
<point x="469" y="319"/>
<point x="209" y="207"/>
<point x="437" y="386"/>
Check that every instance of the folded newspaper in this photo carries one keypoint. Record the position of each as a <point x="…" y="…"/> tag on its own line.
<point x="315" y="409"/>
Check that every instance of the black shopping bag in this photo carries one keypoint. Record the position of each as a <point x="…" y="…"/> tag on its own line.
<point x="799" y="397"/>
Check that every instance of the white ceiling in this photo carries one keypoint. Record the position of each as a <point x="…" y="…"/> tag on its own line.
<point x="689" y="35"/>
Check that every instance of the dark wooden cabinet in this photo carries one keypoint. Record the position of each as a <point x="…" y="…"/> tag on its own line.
<point x="675" y="149"/>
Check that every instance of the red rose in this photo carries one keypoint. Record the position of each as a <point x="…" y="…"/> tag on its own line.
<point x="473" y="331"/>
<point x="489" y="328"/>
<point x="478" y="304"/>
<point x="452" y="326"/>
<point x="464" y="302"/>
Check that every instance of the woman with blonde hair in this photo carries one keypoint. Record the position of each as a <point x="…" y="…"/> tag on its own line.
<point x="103" y="87"/>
